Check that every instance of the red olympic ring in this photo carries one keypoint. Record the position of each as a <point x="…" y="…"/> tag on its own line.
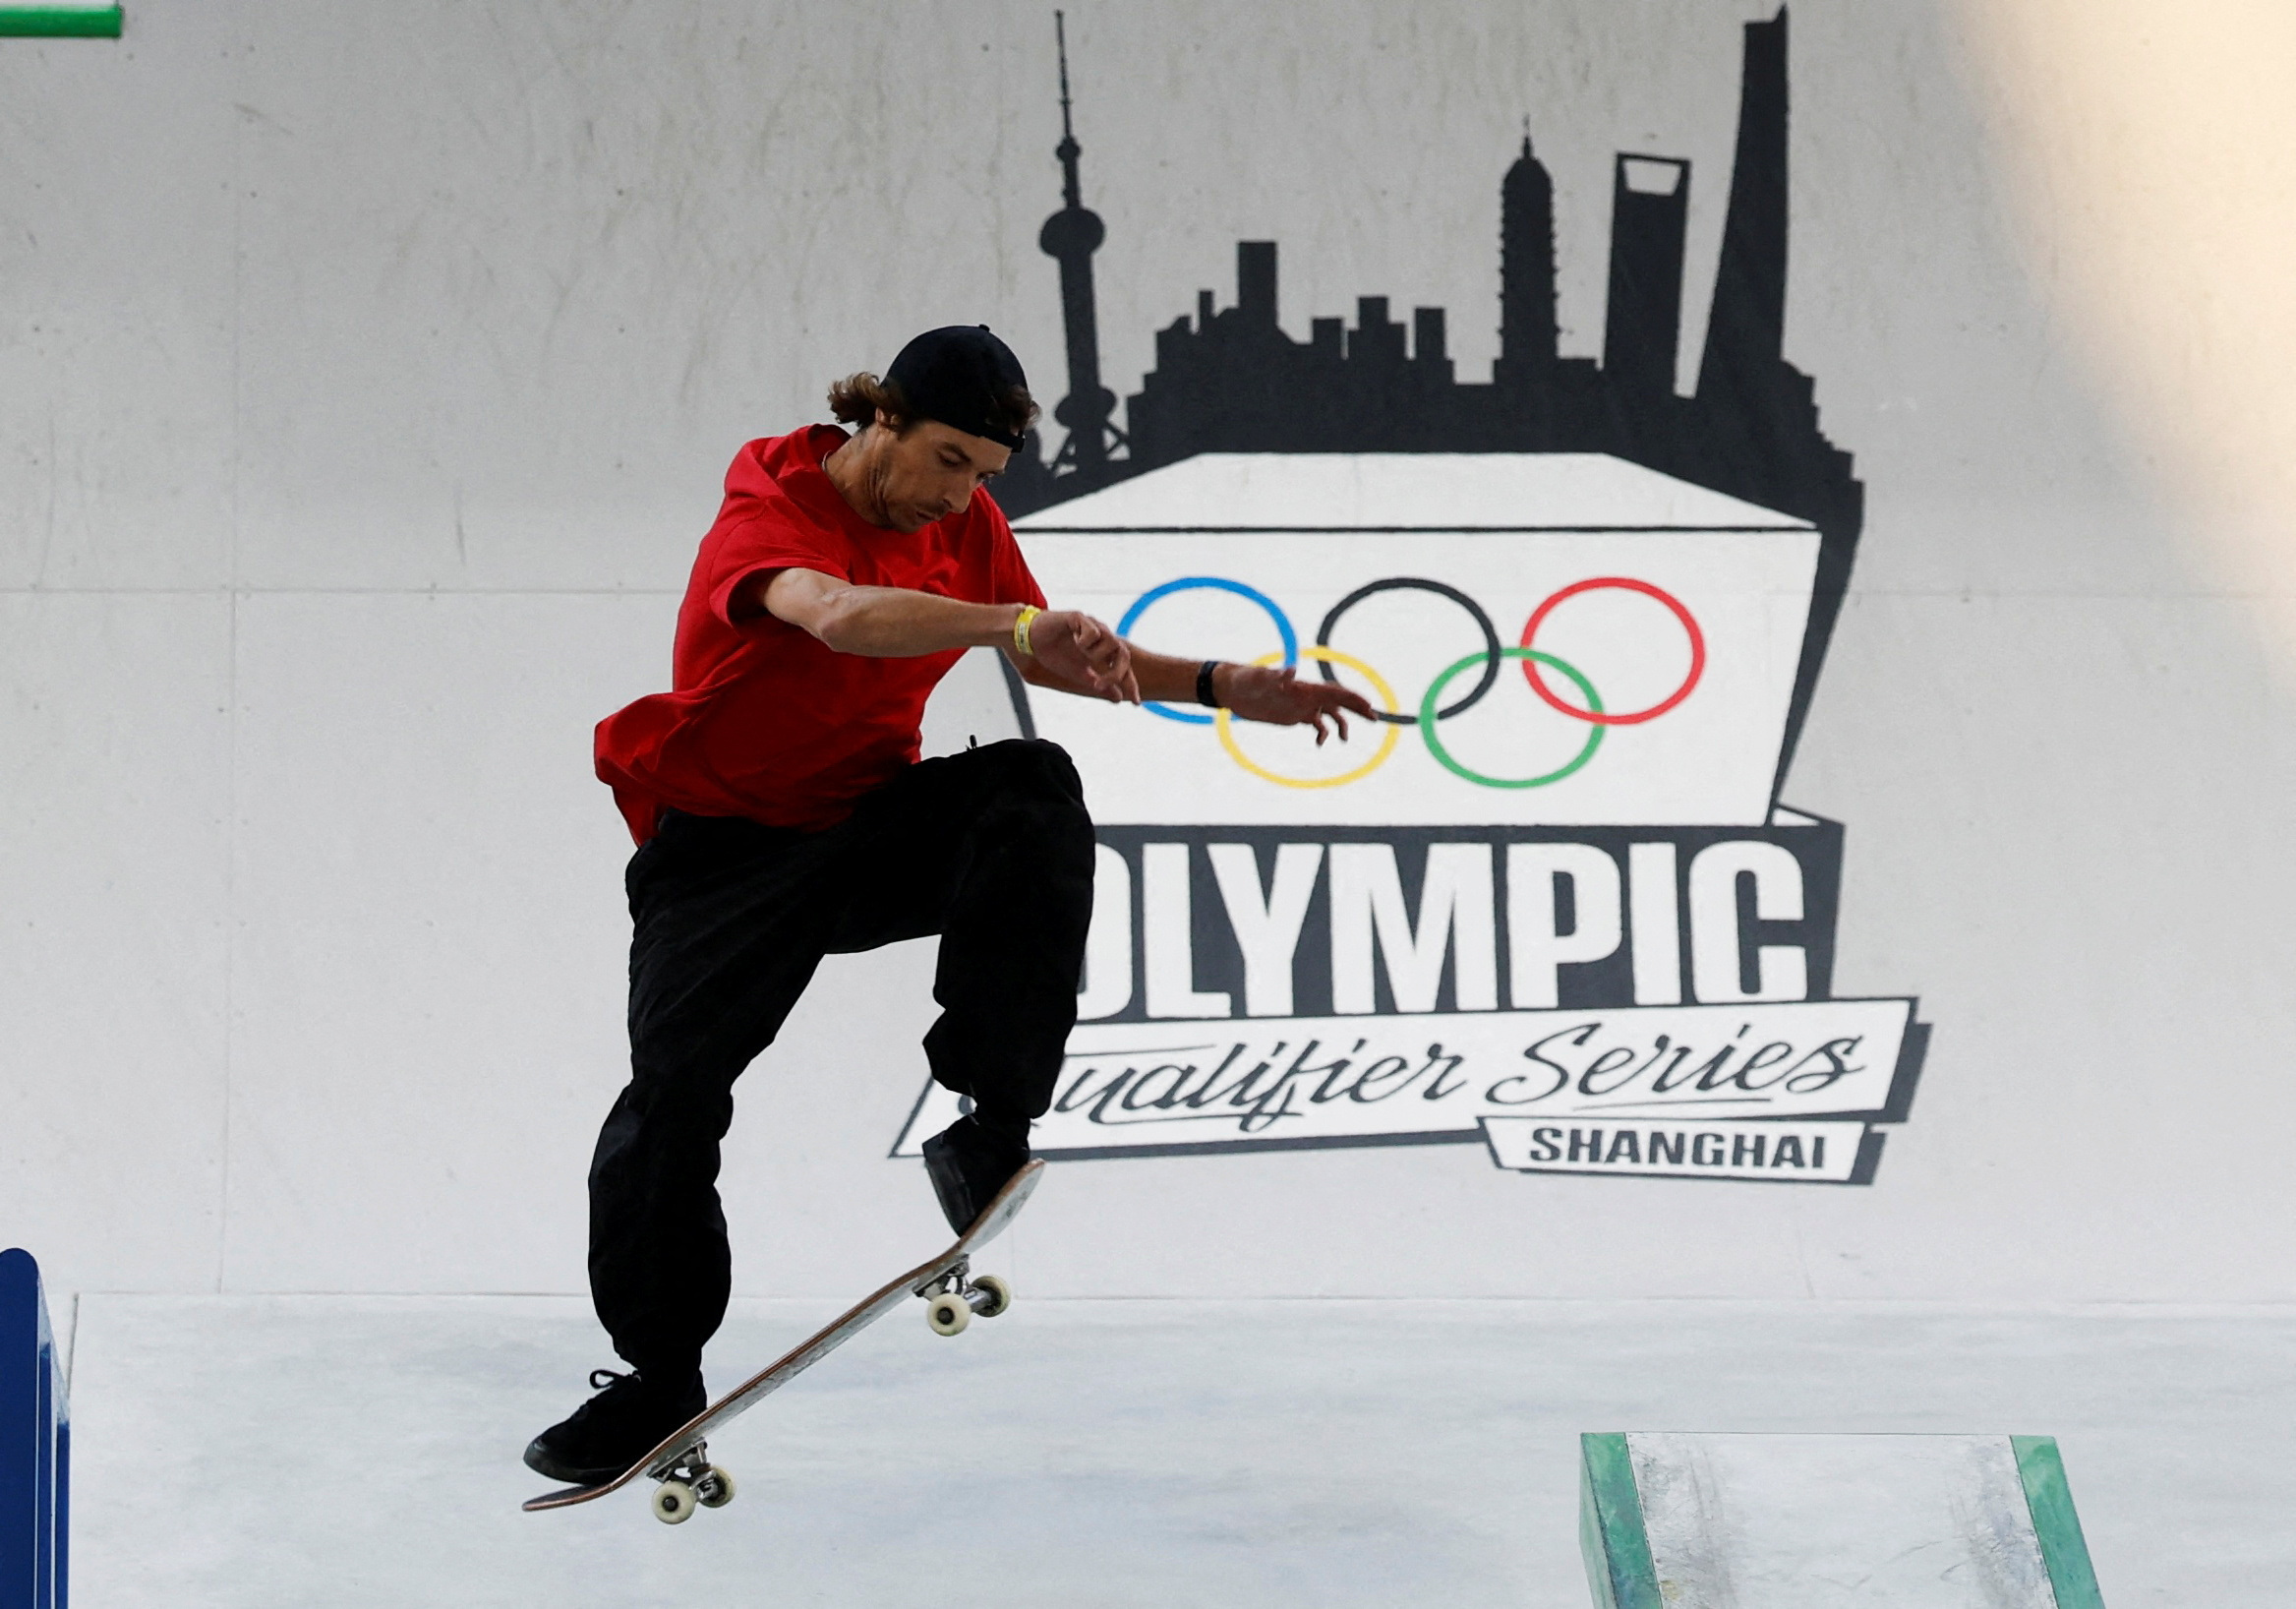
<point x="1630" y="717"/>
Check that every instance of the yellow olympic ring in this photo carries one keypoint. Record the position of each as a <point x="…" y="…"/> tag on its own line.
<point x="1331" y="656"/>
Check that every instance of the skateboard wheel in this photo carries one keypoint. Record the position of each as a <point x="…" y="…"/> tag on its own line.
<point x="673" y="1503"/>
<point x="999" y="1294"/>
<point x="714" y="1489"/>
<point x="948" y="1314"/>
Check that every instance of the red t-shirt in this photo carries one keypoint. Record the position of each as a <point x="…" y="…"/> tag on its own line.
<point x="763" y="720"/>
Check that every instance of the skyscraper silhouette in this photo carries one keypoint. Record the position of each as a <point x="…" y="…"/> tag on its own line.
<point x="1527" y="325"/>
<point x="1071" y="236"/>
<point x="1745" y="339"/>
<point x="1642" y="322"/>
<point x="1760" y="412"/>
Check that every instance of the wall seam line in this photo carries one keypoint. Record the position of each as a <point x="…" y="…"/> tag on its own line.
<point x="231" y="679"/>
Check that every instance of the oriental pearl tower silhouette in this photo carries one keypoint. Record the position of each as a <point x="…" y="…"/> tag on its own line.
<point x="1071" y="236"/>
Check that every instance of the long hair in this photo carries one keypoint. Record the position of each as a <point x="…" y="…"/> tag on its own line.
<point x="856" y="398"/>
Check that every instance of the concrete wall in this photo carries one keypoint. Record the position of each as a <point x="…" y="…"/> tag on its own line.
<point x="366" y="373"/>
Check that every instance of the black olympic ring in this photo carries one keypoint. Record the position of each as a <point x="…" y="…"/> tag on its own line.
<point x="1413" y="584"/>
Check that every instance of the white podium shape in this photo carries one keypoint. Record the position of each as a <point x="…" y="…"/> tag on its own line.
<point x="1683" y="1522"/>
<point x="1243" y="557"/>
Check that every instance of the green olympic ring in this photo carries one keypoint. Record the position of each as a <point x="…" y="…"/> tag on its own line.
<point x="1427" y="720"/>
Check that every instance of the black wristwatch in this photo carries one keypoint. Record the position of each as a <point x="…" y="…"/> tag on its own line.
<point x="1205" y="694"/>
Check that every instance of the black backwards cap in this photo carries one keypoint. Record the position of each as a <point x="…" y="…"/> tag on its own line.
<point x="959" y="375"/>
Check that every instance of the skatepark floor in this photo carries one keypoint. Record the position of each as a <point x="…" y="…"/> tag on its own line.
<point x="310" y="1451"/>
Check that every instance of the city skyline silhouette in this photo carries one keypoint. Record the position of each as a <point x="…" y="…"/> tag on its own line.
<point x="1233" y="380"/>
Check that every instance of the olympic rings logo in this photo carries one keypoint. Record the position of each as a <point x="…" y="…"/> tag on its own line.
<point x="1429" y="712"/>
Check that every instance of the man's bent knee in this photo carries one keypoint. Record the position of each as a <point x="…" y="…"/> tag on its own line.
<point x="1034" y="765"/>
<point x="1038" y="782"/>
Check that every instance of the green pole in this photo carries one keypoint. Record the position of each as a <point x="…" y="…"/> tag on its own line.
<point x="60" y="22"/>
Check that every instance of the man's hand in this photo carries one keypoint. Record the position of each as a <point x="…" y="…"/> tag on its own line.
<point x="1083" y="655"/>
<point x="1282" y="697"/>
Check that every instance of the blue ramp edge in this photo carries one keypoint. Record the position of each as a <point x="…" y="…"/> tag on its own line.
<point x="36" y="1445"/>
<point x="1611" y="1537"/>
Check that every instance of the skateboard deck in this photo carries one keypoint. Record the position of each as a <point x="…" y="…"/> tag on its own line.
<point x="680" y="1461"/>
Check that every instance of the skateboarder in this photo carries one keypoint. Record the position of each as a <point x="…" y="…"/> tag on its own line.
<point x="781" y="814"/>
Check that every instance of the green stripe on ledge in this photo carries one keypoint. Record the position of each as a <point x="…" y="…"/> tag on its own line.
<point x="1611" y="1533"/>
<point x="60" y="22"/>
<point x="2055" y="1525"/>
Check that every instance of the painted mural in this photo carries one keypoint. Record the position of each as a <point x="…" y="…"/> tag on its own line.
<point x="1553" y="905"/>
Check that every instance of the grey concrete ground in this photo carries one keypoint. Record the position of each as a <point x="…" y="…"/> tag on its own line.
<point x="292" y="1452"/>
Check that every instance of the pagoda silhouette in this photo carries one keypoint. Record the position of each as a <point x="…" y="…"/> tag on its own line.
<point x="1233" y="380"/>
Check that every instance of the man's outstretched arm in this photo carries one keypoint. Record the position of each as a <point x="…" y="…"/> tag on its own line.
<point x="1255" y="692"/>
<point x="1068" y="651"/>
<point x="895" y="623"/>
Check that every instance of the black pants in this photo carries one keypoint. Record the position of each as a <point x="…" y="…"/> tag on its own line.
<point x="991" y="848"/>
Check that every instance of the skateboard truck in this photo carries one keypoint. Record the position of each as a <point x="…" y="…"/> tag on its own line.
<point x="955" y="1296"/>
<point x="689" y="1479"/>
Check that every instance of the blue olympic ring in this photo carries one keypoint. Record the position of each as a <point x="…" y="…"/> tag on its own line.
<point x="1217" y="583"/>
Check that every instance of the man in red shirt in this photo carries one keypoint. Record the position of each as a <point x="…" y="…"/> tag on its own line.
<point x="781" y="814"/>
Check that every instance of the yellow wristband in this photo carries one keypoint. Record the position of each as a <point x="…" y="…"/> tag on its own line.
<point x="1021" y="622"/>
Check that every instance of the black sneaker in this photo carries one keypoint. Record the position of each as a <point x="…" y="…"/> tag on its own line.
<point x="968" y="1164"/>
<point x="613" y="1429"/>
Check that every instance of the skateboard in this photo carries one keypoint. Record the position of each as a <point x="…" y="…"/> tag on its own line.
<point x="680" y="1462"/>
